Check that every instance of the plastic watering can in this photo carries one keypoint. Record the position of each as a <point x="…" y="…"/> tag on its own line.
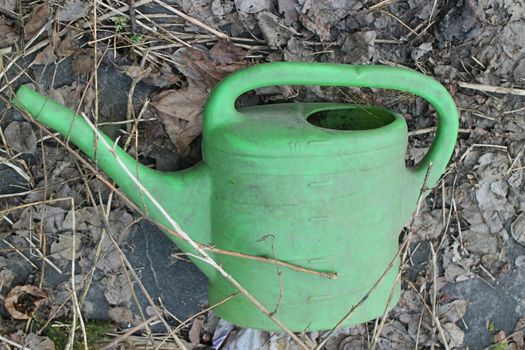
<point x="323" y="186"/>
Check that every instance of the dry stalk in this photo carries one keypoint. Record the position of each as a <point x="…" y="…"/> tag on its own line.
<point x="12" y="343"/>
<point x="132" y="330"/>
<point x="379" y="329"/>
<point x="491" y="88"/>
<point x="435" y="318"/>
<point x="119" y="11"/>
<point x="76" y="308"/>
<point x="193" y="20"/>
<point x="202" y="253"/>
<point x="19" y="253"/>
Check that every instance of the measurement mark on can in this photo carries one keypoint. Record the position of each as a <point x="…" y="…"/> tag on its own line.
<point x="296" y="147"/>
<point x="318" y="218"/>
<point x="320" y="183"/>
<point x="317" y="142"/>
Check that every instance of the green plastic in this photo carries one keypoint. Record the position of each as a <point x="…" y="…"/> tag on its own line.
<point x="273" y="184"/>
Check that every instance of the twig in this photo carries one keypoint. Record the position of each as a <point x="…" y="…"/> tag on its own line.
<point x="491" y="88"/>
<point x="19" y="253"/>
<point x="381" y="4"/>
<point x="192" y="20"/>
<point x="435" y="319"/>
<point x="516" y="159"/>
<point x="120" y="10"/>
<point x="132" y="17"/>
<point x="330" y="275"/>
<point x="76" y="307"/>
<point x="56" y="268"/>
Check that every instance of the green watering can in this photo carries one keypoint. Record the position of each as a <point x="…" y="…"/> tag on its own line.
<point x="322" y="186"/>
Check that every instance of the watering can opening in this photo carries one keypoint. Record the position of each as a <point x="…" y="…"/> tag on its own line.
<point x="351" y="118"/>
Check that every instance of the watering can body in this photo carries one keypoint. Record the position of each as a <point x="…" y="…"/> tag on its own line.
<point x="321" y="186"/>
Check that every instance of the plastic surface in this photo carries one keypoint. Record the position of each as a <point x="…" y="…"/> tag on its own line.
<point x="320" y="185"/>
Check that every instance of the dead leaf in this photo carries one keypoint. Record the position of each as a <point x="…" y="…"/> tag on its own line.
<point x="8" y="33"/>
<point x="136" y="72"/>
<point x="289" y="10"/>
<point x="20" y="137"/>
<point x="500" y="337"/>
<point x="454" y="334"/>
<point x="121" y="314"/>
<point x="53" y="217"/>
<point x="46" y="56"/>
<point x="276" y="35"/>
<point x="7" y="6"/>
<point x="6" y="275"/>
<point x="517" y="334"/>
<point x="63" y="247"/>
<point x="117" y="289"/>
<point x="38" y="19"/>
<point x="38" y="342"/>
<point x="253" y="6"/>
<point x="163" y="77"/>
<point x="195" y="331"/>
<point x="518" y="229"/>
<point x="73" y="10"/>
<point x="22" y="301"/>
<point x="205" y="68"/>
<point x="83" y="62"/>
<point x="453" y="311"/>
<point x="181" y="114"/>
<point x="69" y="44"/>
<point x="181" y="110"/>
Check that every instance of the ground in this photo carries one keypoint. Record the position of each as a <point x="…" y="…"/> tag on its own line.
<point x="143" y="76"/>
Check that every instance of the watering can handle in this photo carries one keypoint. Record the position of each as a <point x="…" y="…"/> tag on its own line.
<point x="220" y="108"/>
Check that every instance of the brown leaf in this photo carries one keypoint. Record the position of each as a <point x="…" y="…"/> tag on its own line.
<point x="38" y="342"/>
<point x="517" y="334"/>
<point x="163" y="77"/>
<point x="136" y="72"/>
<point x="68" y="45"/>
<point x="500" y="337"/>
<point x="83" y="63"/>
<point x="181" y="110"/>
<point x="20" y="137"/>
<point x="46" y="56"/>
<point x="121" y="314"/>
<point x="22" y="301"/>
<point x="73" y="10"/>
<point x="8" y="34"/>
<point x="195" y="331"/>
<point x="181" y="114"/>
<point x="38" y="19"/>
<point x="205" y="68"/>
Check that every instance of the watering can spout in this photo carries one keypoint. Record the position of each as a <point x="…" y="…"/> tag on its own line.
<point x="184" y="195"/>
